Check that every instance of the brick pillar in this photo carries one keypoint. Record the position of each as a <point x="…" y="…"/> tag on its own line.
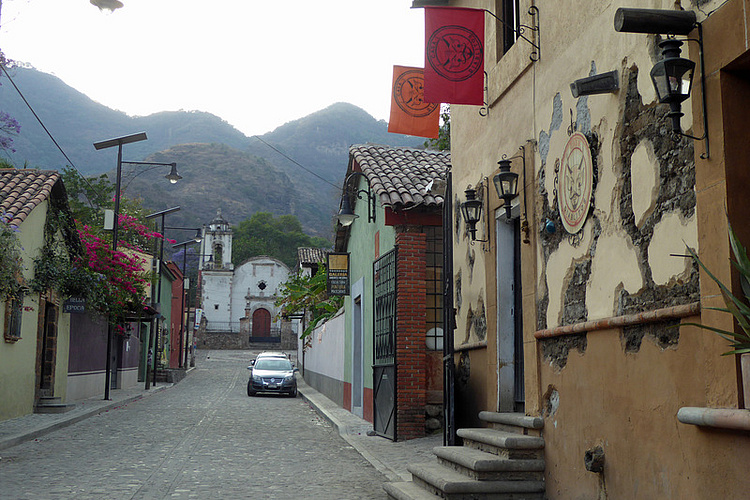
<point x="411" y="315"/>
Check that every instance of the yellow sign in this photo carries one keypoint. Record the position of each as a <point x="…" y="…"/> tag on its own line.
<point x="338" y="274"/>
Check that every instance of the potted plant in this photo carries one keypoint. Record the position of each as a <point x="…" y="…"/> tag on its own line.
<point x="739" y="341"/>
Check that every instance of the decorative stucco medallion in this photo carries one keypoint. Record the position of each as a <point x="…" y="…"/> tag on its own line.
<point x="575" y="183"/>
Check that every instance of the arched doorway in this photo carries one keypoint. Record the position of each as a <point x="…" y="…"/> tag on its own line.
<point x="261" y="323"/>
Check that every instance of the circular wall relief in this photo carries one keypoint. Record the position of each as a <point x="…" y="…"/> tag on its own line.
<point x="575" y="183"/>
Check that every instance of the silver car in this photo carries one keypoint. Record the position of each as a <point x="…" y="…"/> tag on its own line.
<point x="272" y="374"/>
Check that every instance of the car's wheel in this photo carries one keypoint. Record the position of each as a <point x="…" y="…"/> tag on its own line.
<point x="250" y="391"/>
<point x="293" y="394"/>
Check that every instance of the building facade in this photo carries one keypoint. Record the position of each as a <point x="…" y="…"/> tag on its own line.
<point x="577" y="308"/>
<point x="390" y="333"/>
<point x="239" y="303"/>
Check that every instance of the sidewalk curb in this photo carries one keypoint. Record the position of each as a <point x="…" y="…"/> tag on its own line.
<point x="320" y="404"/>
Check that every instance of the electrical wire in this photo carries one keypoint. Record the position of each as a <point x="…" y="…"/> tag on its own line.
<point x="28" y="105"/>
<point x="298" y="164"/>
<point x="70" y="162"/>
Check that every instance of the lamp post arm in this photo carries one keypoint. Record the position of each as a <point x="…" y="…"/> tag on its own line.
<point x="371" y="202"/>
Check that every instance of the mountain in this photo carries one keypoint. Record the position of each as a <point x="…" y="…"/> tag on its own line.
<point x="323" y="139"/>
<point x="221" y="167"/>
<point x="77" y="122"/>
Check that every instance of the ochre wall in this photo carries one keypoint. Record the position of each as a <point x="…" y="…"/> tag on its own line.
<point x="618" y="388"/>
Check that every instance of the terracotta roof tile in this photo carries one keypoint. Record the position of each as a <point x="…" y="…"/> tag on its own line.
<point x="306" y="255"/>
<point x="22" y="190"/>
<point x="399" y="176"/>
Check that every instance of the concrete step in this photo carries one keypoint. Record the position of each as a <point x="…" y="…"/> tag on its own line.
<point x="505" y="444"/>
<point x="408" y="491"/>
<point x="52" y="404"/>
<point x="484" y="466"/>
<point x="450" y="484"/>
<point x="513" y="422"/>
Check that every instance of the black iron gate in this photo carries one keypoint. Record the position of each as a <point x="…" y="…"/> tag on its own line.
<point x="449" y="368"/>
<point x="384" y="359"/>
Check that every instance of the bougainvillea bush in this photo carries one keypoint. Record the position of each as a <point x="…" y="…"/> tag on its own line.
<point x="117" y="279"/>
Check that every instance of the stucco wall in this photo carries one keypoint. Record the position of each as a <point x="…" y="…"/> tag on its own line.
<point x="324" y="359"/>
<point x="364" y="252"/>
<point x="215" y="291"/>
<point x="245" y="283"/>
<point x="18" y="359"/>
<point x="618" y="388"/>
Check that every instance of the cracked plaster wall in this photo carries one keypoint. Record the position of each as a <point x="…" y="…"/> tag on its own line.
<point x="643" y="213"/>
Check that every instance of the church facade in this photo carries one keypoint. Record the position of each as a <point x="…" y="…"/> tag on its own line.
<point x="239" y="308"/>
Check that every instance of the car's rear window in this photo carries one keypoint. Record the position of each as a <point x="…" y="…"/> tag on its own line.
<point x="273" y="364"/>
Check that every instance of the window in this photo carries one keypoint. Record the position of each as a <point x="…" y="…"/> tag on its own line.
<point x="507" y="29"/>
<point x="434" y="334"/>
<point x="13" y="310"/>
<point x="216" y="307"/>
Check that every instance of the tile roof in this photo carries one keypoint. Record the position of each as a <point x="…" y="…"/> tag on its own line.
<point x="21" y="190"/>
<point x="399" y="176"/>
<point x="306" y="255"/>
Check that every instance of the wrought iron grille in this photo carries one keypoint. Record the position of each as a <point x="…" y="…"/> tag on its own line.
<point x="434" y="320"/>
<point x="384" y="271"/>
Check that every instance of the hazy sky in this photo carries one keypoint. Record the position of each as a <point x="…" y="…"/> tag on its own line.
<point x="255" y="63"/>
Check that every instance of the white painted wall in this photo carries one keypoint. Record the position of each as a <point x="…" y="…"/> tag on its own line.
<point x="246" y="279"/>
<point x="326" y="353"/>
<point x="216" y="292"/>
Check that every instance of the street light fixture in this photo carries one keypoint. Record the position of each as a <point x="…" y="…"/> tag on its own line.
<point x="119" y="142"/>
<point x="198" y="233"/>
<point x="346" y="215"/>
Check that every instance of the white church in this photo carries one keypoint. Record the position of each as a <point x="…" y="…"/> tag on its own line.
<point x="238" y="303"/>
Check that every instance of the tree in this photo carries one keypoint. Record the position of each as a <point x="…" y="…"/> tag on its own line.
<point x="113" y="282"/>
<point x="262" y="234"/>
<point x="443" y="141"/>
<point x="309" y="294"/>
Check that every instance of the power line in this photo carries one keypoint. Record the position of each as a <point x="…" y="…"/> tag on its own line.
<point x="28" y="105"/>
<point x="298" y="164"/>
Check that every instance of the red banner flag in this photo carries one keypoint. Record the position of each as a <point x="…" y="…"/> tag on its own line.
<point x="454" y="55"/>
<point x="409" y="113"/>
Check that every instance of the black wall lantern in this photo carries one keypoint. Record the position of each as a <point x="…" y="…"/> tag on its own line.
<point x="673" y="79"/>
<point x="346" y="215"/>
<point x="673" y="75"/>
<point x="506" y="184"/>
<point x="471" y="209"/>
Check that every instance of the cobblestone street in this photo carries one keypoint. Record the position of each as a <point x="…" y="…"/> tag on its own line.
<point x="202" y="438"/>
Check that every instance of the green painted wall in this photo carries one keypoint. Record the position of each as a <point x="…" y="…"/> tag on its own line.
<point x="166" y="312"/>
<point x="361" y="247"/>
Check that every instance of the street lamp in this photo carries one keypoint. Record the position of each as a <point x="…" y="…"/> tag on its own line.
<point x="198" y="234"/>
<point x="346" y="215"/>
<point x="117" y="141"/>
<point x="184" y="245"/>
<point x="173" y="177"/>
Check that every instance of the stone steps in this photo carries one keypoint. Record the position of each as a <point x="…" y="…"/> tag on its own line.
<point x="493" y="463"/>
<point x="51" y="404"/>
<point x="484" y="466"/>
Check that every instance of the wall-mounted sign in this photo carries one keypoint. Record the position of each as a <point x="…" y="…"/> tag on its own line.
<point x="75" y="305"/>
<point x="338" y="274"/>
<point x="575" y="183"/>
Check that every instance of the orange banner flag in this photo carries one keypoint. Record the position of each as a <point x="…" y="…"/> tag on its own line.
<point x="410" y="115"/>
